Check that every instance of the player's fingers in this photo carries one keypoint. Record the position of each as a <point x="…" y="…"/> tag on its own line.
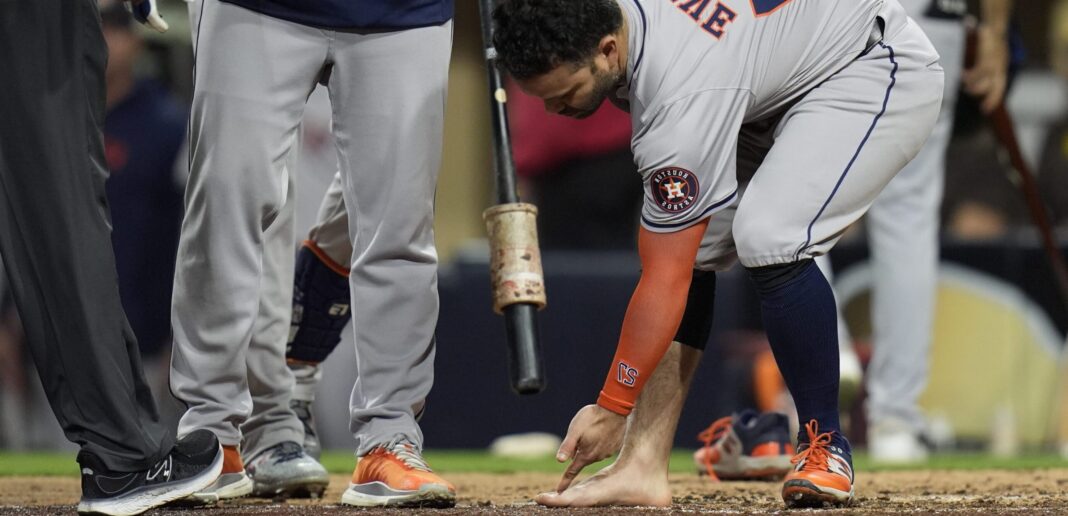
<point x="969" y="78"/>
<point x="571" y="472"/>
<point x="978" y="86"/>
<point x="567" y="448"/>
<point x="994" y="97"/>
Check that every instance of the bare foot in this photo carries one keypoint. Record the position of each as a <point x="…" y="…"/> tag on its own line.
<point x="614" y="485"/>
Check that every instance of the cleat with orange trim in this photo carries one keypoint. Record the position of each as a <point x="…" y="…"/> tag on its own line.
<point x="822" y="475"/>
<point x="232" y="483"/>
<point x="396" y="475"/>
<point x="746" y="446"/>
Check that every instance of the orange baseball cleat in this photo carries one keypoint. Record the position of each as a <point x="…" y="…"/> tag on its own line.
<point x="396" y="475"/>
<point x="746" y="446"/>
<point x="822" y="474"/>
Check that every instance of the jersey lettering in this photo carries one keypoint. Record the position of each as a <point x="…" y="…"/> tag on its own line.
<point x="715" y="23"/>
<point x="627" y="375"/>
<point x="766" y="7"/>
<point x="694" y="8"/>
<point x="721" y="16"/>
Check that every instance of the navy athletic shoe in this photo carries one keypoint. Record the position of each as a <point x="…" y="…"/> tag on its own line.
<point x="746" y="446"/>
<point x="193" y="464"/>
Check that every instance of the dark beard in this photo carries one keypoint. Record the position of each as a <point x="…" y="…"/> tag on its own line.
<point x="603" y="86"/>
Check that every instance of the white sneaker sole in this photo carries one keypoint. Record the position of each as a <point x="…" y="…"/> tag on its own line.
<point x="138" y="502"/>
<point x="213" y="495"/>
<point x="377" y="494"/>
<point x="802" y="493"/>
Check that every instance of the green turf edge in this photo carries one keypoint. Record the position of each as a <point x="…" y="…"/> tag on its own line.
<point x="468" y="461"/>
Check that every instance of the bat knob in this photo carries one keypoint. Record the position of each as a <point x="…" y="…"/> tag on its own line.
<point x="527" y="386"/>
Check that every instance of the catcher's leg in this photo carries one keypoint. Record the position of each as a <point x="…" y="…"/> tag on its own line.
<point x="320" y="305"/>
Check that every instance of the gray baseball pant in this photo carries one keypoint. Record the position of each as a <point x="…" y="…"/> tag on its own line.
<point x="387" y="90"/>
<point x="903" y="232"/>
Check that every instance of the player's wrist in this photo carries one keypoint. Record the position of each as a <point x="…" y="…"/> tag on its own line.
<point x="614" y="405"/>
<point x="999" y="30"/>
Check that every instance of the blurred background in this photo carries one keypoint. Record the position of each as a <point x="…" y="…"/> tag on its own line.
<point x="998" y="373"/>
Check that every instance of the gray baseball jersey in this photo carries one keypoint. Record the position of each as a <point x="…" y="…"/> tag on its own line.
<point x="809" y="107"/>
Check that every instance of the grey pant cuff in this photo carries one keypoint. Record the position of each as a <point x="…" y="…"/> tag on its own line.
<point x="377" y="433"/>
<point x="259" y="440"/>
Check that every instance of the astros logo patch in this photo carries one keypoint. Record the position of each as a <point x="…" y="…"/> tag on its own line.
<point x="675" y="189"/>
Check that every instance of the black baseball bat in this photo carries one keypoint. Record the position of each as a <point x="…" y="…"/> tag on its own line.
<point x="520" y="320"/>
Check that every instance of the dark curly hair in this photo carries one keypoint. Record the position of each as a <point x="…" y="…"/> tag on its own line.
<point x="534" y="36"/>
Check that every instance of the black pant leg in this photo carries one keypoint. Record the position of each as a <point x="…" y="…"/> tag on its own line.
<point x="55" y="231"/>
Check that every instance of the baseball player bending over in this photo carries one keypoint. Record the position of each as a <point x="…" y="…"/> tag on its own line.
<point x="385" y="65"/>
<point x="762" y="129"/>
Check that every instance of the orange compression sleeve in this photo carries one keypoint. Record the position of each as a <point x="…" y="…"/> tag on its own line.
<point x="653" y="315"/>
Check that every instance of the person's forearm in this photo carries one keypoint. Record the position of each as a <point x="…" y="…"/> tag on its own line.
<point x="995" y="15"/>
<point x="654" y="313"/>
<point x="652" y="318"/>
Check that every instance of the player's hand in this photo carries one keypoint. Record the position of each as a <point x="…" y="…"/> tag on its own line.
<point x="986" y="79"/>
<point x="594" y="434"/>
<point x="145" y="12"/>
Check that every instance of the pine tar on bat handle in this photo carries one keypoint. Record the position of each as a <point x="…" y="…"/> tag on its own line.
<point x="515" y="260"/>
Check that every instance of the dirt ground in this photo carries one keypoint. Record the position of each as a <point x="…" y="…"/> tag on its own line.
<point x="957" y="492"/>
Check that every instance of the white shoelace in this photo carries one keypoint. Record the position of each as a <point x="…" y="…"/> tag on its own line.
<point x="406" y="452"/>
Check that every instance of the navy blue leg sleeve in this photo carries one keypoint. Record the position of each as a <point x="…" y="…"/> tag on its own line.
<point x="800" y="318"/>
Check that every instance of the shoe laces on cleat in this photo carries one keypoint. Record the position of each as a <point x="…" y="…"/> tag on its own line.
<point x="816" y="454"/>
<point x="403" y="448"/>
<point x="711" y="436"/>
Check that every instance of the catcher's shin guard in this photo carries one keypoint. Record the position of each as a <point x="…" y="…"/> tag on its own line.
<point x="320" y="306"/>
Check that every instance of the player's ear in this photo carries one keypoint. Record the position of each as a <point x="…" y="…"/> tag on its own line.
<point x="608" y="48"/>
